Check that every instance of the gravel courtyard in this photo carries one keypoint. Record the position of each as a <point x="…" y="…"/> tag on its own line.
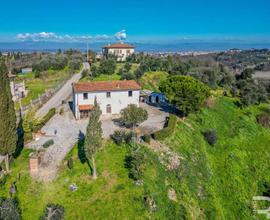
<point x="65" y="131"/>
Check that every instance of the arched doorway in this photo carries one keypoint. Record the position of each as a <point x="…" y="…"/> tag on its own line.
<point x="108" y="109"/>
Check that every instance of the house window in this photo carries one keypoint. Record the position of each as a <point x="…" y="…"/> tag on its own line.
<point x="108" y="94"/>
<point x="108" y="109"/>
<point x="130" y="93"/>
<point x="85" y="95"/>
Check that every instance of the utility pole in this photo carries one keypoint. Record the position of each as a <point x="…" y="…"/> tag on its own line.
<point x="87" y="52"/>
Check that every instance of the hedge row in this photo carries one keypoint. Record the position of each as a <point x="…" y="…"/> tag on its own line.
<point x="168" y="130"/>
<point x="45" y="119"/>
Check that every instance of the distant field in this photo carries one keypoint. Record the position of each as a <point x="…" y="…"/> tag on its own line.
<point x="37" y="86"/>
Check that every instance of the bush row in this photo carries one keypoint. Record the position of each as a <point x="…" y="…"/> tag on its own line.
<point x="45" y="119"/>
<point x="168" y="130"/>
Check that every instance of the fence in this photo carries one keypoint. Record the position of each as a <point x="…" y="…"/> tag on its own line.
<point x="42" y="99"/>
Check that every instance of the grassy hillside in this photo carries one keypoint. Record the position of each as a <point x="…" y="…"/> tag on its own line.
<point x="218" y="182"/>
<point x="212" y="182"/>
<point x="151" y="80"/>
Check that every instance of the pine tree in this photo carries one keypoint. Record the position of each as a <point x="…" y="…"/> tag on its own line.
<point x="93" y="137"/>
<point x="8" y="134"/>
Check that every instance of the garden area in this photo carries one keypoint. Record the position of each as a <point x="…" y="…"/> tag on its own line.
<point x="37" y="86"/>
<point x="206" y="168"/>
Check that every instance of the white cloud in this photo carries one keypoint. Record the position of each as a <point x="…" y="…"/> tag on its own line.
<point x="50" y="36"/>
<point x="121" y="35"/>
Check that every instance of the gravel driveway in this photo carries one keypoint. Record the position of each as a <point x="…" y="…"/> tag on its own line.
<point x="64" y="93"/>
<point x="67" y="134"/>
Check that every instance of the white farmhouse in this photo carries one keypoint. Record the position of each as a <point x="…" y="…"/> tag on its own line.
<point x="111" y="96"/>
<point x="120" y="50"/>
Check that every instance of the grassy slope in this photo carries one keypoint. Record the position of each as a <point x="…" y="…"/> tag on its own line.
<point x="212" y="182"/>
<point x="220" y="181"/>
<point x="151" y="80"/>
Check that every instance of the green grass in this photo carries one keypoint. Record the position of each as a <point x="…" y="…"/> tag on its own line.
<point x="212" y="182"/>
<point x="104" y="77"/>
<point x="37" y="86"/>
<point x="107" y="77"/>
<point x="151" y="80"/>
<point x="219" y="181"/>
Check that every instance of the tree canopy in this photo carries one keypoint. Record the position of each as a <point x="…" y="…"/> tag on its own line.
<point x="132" y="115"/>
<point x="185" y="92"/>
<point x="8" y="135"/>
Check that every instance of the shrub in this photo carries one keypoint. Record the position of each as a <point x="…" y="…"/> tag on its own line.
<point x="45" y="119"/>
<point x="121" y="137"/>
<point x="9" y="209"/>
<point x="135" y="164"/>
<point x="70" y="163"/>
<point x="168" y="130"/>
<point x="53" y="212"/>
<point x="263" y="119"/>
<point x="210" y="136"/>
<point x="61" y="112"/>
<point x="147" y="138"/>
<point x="49" y="115"/>
<point x="48" y="143"/>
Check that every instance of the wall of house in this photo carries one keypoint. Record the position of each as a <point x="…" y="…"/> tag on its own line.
<point x="122" y="54"/>
<point x="118" y="100"/>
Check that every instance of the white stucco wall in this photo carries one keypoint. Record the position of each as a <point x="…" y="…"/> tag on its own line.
<point x="122" y="54"/>
<point x="118" y="100"/>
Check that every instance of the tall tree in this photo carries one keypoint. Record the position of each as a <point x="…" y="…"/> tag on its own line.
<point x="185" y="92"/>
<point x="8" y="134"/>
<point x="93" y="137"/>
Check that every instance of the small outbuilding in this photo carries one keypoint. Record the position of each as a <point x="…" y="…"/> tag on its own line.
<point x="150" y="97"/>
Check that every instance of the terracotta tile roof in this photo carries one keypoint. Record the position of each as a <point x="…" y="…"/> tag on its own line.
<point x="119" y="45"/>
<point x="85" y="107"/>
<point x="99" y="86"/>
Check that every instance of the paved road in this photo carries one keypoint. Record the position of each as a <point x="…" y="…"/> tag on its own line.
<point x="63" y="94"/>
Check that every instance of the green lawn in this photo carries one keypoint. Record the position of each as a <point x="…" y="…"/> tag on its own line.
<point x="212" y="182"/>
<point x="112" y="196"/>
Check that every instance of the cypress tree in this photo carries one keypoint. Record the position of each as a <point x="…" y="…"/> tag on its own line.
<point x="93" y="137"/>
<point x="8" y="134"/>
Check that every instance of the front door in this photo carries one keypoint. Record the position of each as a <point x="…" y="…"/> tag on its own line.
<point x="84" y="114"/>
<point x="108" y="109"/>
<point x="157" y="99"/>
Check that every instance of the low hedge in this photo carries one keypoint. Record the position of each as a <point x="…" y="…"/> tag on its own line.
<point x="45" y="119"/>
<point x="168" y="130"/>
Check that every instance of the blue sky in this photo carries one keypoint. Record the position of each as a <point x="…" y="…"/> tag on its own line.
<point x="142" y="19"/>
